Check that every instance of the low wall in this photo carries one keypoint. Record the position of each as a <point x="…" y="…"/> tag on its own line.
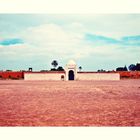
<point x="98" y="76"/>
<point x="43" y="76"/>
<point x="79" y="76"/>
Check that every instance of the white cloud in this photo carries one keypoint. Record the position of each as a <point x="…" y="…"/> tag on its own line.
<point x="57" y="40"/>
<point x="52" y="40"/>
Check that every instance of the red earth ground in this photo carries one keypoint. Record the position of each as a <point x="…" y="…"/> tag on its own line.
<point x="71" y="103"/>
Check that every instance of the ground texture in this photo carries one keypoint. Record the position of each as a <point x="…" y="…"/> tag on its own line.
<point x="72" y="103"/>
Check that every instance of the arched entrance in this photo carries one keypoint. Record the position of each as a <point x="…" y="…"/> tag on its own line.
<point x="71" y="71"/>
<point x="71" y="75"/>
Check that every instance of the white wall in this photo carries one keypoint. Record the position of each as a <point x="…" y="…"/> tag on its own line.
<point x="43" y="76"/>
<point x="80" y="76"/>
<point x="98" y="76"/>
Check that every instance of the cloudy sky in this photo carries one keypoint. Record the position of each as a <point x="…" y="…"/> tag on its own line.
<point x="94" y="41"/>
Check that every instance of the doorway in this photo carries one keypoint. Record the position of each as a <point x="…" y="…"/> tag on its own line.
<point x="71" y="75"/>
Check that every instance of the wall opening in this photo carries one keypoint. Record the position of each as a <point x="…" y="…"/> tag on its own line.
<point x="62" y="77"/>
<point x="71" y="75"/>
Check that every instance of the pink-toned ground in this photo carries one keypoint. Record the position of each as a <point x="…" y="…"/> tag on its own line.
<point x="72" y="103"/>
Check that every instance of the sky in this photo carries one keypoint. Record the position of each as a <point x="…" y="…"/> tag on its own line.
<point x="94" y="41"/>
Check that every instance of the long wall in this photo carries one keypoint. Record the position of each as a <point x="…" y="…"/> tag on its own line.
<point x="43" y="76"/>
<point x="97" y="76"/>
<point x="79" y="76"/>
<point x="20" y="75"/>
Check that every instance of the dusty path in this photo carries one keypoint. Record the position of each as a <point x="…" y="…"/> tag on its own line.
<point x="74" y="103"/>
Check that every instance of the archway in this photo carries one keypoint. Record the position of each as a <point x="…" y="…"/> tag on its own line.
<point x="71" y="75"/>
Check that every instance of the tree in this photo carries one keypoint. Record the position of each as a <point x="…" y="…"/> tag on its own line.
<point x="138" y="66"/>
<point x="80" y="68"/>
<point x="8" y="70"/>
<point x="60" y="68"/>
<point x="120" y="69"/>
<point x="54" y="63"/>
<point x="125" y="68"/>
<point x="132" y="67"/>
<point x="101" y="70"/>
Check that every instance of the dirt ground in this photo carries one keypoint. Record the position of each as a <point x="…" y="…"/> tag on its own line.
<point x="71" y="103"/>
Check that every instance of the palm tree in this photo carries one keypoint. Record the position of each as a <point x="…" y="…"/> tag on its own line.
<point x="54" y="63"/>
<point x="80" y="68"/>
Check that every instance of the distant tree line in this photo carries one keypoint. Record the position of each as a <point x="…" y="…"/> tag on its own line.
<point x="131" y="67"/>
<point x="101" y="70"/>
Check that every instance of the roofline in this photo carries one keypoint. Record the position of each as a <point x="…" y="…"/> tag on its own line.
<point x="44" y="72"/>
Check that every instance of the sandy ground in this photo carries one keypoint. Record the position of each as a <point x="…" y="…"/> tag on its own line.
<point x="72" y="103"/>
